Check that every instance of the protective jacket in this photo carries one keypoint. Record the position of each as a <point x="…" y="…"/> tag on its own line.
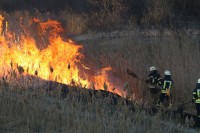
<point x="196" y="93"/>
<point x="166" y="85"/>
<point x="153" y="79"/>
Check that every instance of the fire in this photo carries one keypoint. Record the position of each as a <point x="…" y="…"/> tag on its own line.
<point x="57" y="61"/>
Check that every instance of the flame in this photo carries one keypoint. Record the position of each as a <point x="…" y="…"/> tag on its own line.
<point x="1" y="23"/>
<point x="58" y="61"/>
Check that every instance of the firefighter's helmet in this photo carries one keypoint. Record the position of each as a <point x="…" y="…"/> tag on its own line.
<point x="152" y="68"/>
<point x="167" y="72"/>
<point x="198" y="80"/>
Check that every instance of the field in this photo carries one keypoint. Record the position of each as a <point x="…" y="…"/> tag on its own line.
<point x="108" y="38"/>
<point x="138" y="51"/>
<point x="35" y="110"/>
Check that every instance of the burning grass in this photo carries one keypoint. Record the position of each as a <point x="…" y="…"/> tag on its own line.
<point x="46" y="54"/>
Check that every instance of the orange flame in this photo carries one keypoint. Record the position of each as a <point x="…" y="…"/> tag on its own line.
<point x="1" y="23"/>
<point x="57" y="62"/>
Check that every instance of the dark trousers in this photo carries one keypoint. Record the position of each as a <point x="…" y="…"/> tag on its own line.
<point x="163" y="97"/>
<point x="198" y="109"/>
<point x="154" y="92"/>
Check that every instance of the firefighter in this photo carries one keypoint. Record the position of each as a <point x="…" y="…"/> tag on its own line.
<point x="165" y="89"/>
<point x="153" y="80"/>
<point x="196" y="97"/>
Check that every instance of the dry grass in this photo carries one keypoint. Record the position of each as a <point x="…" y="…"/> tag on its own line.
<point x="176" y="52"/>
<point x="158" y="13"/>
<point x="75" y="24"/>
<point x="35" y="110"/>
<point x="25" y="110"/>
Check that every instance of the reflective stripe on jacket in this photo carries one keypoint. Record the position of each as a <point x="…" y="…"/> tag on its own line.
<point x="196" y="94"/>
<point x="154" y="78"/>
<point x="166" y="87"/>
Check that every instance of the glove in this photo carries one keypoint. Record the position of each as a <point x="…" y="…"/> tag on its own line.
<point x="168" y="92"/>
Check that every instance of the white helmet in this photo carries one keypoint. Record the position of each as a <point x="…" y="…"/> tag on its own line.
<point x="167" y="72"/>
<point x="198" y="81"/>
<point x="152" y="68"/>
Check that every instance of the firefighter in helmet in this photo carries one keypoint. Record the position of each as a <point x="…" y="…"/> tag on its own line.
<point x="153" y="80"/>
<point x="165" y="89"/>
<point x="196" y="97"/>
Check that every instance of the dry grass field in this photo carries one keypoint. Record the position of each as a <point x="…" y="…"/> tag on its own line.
<point x="35" y="110"/>
<point x="177" y="52"/>
<point x="31" y="108"/>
